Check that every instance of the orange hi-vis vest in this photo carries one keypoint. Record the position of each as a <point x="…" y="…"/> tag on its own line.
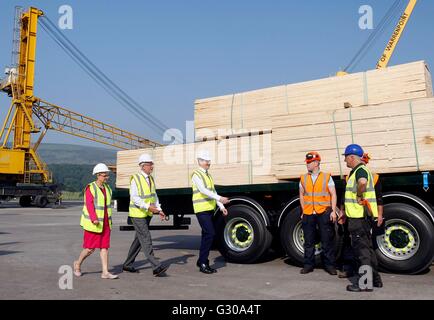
<point x="317" y="197"/>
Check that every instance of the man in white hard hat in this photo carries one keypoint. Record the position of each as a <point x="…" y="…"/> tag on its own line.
<point x="143" y="204"/>
<point x="205" y="201"/>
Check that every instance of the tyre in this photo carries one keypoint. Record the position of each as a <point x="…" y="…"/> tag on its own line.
<point x="407" y="245"/>
<point x="292" y="239"/>
<point x="25" y="201"/>
<point x="41" y="201"/>
<point x="242" y="235"/>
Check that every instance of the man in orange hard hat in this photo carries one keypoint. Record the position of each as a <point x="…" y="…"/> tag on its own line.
<point x="318" y="203"/>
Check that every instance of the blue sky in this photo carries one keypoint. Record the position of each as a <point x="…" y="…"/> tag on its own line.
<point x="166" y="54"/>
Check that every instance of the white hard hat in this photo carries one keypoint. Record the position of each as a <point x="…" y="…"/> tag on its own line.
<point x="100" y="167"/>
<point x="145" y="158"/>
<point x="204" y="155"/>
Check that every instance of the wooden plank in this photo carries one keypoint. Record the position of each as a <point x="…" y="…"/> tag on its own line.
<point x="391" y="139"/>
<point x="253" y="110"/>
<point x="244" y="160"/>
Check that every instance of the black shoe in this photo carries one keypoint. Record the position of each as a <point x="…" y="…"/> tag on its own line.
<point x="198" y="263"/>
<point x="306" y="270"/>
<point x="160" y="271"/>
<point x="212" y="269"/>
<point x="204" y="268"/>
<point x="331" y="270"/>
<point x="378" y="283"/>
<point x="130" y="269"/>
<point x="356" y="288"/>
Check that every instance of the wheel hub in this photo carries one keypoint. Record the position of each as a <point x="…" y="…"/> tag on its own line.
<point x="400" y="241"/>
<point x="238" y="234"/>
<point x="298" y="238"/>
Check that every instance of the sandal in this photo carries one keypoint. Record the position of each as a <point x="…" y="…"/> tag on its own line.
<point x="77" y="271"/>
<point x="109" y="276"/>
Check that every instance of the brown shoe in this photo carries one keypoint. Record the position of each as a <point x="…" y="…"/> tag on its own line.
<point x="343" y="274"/>
<point x="306" y="270"/>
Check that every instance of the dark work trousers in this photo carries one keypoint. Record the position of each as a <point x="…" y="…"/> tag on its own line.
<point x="345" y="260"/>
<point x="142" y="241"/>
<point x="361" y="240"/>
<point x="327" y="235"/>
<point x="208" y="232"/>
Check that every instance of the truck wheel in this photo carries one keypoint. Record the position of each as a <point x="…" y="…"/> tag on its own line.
<point x="243" y="236"/>
<point x="25" y="201"/>
<point x="407" y="245"/>
<point x="292" y="238"/>
<point x="41" y="201"/>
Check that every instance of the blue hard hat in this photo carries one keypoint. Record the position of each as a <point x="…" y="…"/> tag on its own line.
<point x="353" y="149"/>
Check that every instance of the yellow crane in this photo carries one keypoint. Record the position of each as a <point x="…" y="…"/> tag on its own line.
<point x="394" y="39"/>
<point x="19" y="161"/>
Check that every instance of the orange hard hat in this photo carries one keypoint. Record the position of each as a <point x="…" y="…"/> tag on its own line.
<point x="312" y="156"/>
<point x="365" y="158"/>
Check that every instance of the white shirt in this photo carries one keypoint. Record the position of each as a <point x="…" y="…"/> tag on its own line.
<point x="135" y="197"/>
<point x="198" y="182"/>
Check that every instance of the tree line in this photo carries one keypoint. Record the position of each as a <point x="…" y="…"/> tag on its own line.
<point x="75" y="177"/>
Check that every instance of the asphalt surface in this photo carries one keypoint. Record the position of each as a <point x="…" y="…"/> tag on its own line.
<point x="35" y="243"/>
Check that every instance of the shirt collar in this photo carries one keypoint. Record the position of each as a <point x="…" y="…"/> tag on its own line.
<point x="314" y="174"/>
<point x="356" y="167"/>
<point x="144" y="174"/>
<point x="203" y="170"/>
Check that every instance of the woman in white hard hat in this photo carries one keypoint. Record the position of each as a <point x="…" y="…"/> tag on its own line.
<point x="96" y="220"/>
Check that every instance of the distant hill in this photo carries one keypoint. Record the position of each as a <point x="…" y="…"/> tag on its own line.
<point x="71" y="165"/>
<point x="53" y="153"/>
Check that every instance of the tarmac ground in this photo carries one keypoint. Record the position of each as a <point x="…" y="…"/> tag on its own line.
<point x="38" y="247"/>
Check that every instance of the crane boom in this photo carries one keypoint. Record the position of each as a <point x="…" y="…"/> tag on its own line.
<point x="396" y="36"/>
<point x="70" y="122"/>
<point x="19" y="161"/>
<point x="391" y="44"/>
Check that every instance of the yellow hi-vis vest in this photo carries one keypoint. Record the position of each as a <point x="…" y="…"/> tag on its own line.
<point x="352" y="208"/>
<point x="146" y="193"/>
<point x="201" y="202"/>
<point x="376" y="178"/>
<point x="98" y="202"/>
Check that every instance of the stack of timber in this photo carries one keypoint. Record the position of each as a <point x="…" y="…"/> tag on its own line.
<point x="253" y="111"/>
<point x="398" y="135"/>
<point x="236" y="161"/>
<point x="391" y="116"/>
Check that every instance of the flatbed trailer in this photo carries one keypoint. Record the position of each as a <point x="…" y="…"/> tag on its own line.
<point x="269" y="214"/>
<point x="39" y="195"/>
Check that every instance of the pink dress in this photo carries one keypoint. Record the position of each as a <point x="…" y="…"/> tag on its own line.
<point x="94" y="240"/>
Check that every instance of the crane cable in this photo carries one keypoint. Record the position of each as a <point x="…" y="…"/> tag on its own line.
<point x="100" y="78"/>
<point x="98" y="75"/>
<point x="375" y="35"/>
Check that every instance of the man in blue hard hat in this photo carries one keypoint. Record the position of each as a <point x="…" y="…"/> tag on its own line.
<point x="360" y="208"/>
